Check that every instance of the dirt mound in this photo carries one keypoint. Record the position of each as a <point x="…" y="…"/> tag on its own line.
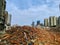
<point x="55" y="29"/>
<point x="26" y="35"/>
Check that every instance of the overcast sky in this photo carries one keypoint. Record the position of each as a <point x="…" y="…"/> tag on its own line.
<point x="25" y="11"/>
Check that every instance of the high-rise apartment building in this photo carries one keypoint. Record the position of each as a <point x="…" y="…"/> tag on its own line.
<point x="51" y="21"/>
<point x="59" y="21"/>
<point x="9" y="20"/>
<point x="6" y="17"/>
<point x="2" y="7"/>
<point x="33" y="24"/>
<point x="54" y="21"/>
<point x="2" y="10"/>
<point x="38" y="22"/>
<point x="46" y="22"/>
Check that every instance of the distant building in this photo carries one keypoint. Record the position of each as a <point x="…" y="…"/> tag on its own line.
<point x="9" y="20"/>
<point x="46" y="22"/>
<point x="38" y="22"/>
<point x="6" y="17"/>
<point x="54" y="21"/>
<point x="33" y="24"/>
<point x="59" y="21"/>
<point x="8" y="25"/>
<point x="51" y="21"/>
<point x="39" y="25"/>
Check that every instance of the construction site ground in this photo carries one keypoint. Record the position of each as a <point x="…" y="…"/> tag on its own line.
<point x="26" y="35"/>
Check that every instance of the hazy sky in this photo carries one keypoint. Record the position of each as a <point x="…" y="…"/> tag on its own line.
<point x="25" y="11"/>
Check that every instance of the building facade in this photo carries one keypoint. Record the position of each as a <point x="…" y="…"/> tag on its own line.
<point x="33" y="24"/>
<point x="2" y="10"/>
<point x="59" y="21"/>
<point x="46" y="22"/>
<point x="6" y="17"/>
<point x="52" y="21"/>
<point x="7" y="20"/>
<point x="38" y="22"/>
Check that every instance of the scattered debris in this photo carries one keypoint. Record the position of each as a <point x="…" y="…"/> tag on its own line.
<point x="26" y="35"/>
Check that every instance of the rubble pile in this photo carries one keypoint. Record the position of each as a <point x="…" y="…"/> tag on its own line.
<point x="26" y="35"/>
<point x="55" y="29"/>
